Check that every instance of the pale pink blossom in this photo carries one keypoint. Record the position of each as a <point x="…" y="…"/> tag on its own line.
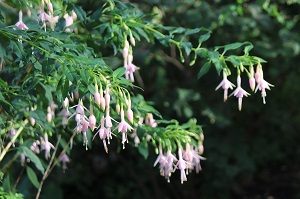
<point x="262" y="84"/>
<point x="150" y="120"/>
<point x="102" y="132"/>
<point x="20" y="24"/>
<point x="123" y="127"/>
<point x="64" y="159"/>
<point x="46" y="145"/>
<point x="225" y="84"/>
<point x="182" y="165"/>
<point x="34" y="147"/>
<point x="239" y="93"/>
<point x="92" y="122"/>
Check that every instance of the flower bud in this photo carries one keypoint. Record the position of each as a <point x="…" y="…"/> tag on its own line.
<point x="129" y="115"/>
<point x="132" y="40"/>
<point x="118" y="108"/>
<point x="49" y="117"/>
<point x="97" y="98"/>
<point x="66" y="103"/>
<point x="32" y="121"/>
<point x="252" y="83"/>
<point x="92" y="122"/>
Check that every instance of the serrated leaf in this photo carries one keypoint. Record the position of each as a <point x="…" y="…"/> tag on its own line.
<point x="33" y="158"/>
<point x="204" y="69"/>
<point x="119" y="72"/>
<point x="32" y="177"/>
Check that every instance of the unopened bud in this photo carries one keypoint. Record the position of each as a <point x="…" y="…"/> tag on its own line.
<point x="129" y="115"/>
<point x="132" y="40"/>
<point x="252" y="83"/>
<point x="66" y="103"/>
<point x="92" y="122"/>
<point x="32" y="121"/>
<point x="97" y="98"/>
<point x="49" y="117"/>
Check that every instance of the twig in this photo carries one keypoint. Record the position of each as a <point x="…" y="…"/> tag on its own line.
<point x="13" y="140"/>
<point x="48" y="168"/>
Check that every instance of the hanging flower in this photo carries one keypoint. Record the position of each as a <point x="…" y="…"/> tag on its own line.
<point x="239" y="93"/>
<point x="225" y="84"/>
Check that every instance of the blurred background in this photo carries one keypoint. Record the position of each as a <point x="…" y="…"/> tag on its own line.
<point x="253" y="153"/>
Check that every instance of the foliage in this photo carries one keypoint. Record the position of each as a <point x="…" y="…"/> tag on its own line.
<point x="42" y="67"/>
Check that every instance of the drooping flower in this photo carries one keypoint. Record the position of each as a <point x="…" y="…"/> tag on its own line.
<point x="34" y="147"/>
<point x="150" y="120"/>
<point x="123" y="127"/>
<point x="130" y="68"/>
<point x="64" y="159"/>
<point x="46" y="145"/>
<point x="102" y="134"/>
<point x="20" y="24"/>
<point x="251" y="78"/>
<point x="239" y="93"/>
<point x="92" y="122"/>
<point x="225" y="84"/>
<point x="262" y="84"/>
<point x="182" y="165"/>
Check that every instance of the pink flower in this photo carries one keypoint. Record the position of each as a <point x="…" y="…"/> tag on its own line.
<point x="102" y="134"/>
<point x="130" y="68"/>
<point x="123" y="127"/>
<point x="34" y="147"/>
<point x="92" y="122"/>
<point x="239" y="93"/>
<point x="182" y="165"/>
<point x="64" y="159"/>
<point x="225" y="84"/>
<point x="150" y="120"/>
<point x="20" y="24"/>
<point x="262" y="84"/>
<point x="46" y="145"/>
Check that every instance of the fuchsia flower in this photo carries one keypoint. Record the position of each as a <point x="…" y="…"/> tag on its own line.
<point x="150" y="120"/>
<point x="262" y="84"/>
<point x="46" y="145"/>
<point x="64" y="159"/>
<point x="20" y="24"/>
<point x="225" y="84"/>
<point x="193" y="158"/>
<point x="182" y="165"/>
<point x="102" y="134"/>
<point x="239" y="93"/>
<point x="123" y="127"/>
<point x="34" y="147"/>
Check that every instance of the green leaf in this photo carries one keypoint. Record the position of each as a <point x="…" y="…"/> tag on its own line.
<point x="187" y="46"/>
<point x="232" y="46"/>
<point x="79" y="12"/>
<point x="97" y="14"/>
<point x="204" y="37"/>
<point x="248" y="48"/>
<point x="142" y="33"/>
<point x="17" y="48"/>
<point x="204" y="69"/>
<point x="119" y="72"/>
<point x="34" y="158"/>
<point x="40" y="118"/>
<point x="149" y="109"/>
<point x="84" y="74"/>
<point x="2" y="99"/>
<point x="32" y="177"/>
<point x="143" y="149"/>
<point x="178" y="30"/>
<point x="192" y="31"/>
